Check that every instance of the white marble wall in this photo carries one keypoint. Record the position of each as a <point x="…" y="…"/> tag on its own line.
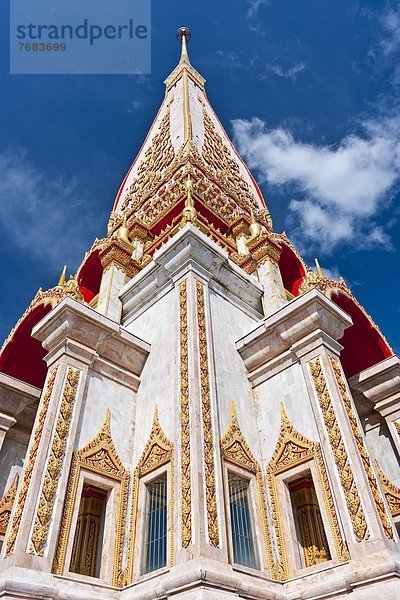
<point x="287" y="387"/>
<point x="381" y="447"/>
<point x="12" y="456"/>
<point x="158" y="325"/>
<point x="229" y="323"/>
<point x="100" y="394"/>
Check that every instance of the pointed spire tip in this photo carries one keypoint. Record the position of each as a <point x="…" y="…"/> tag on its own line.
<point x="183" y="35"/>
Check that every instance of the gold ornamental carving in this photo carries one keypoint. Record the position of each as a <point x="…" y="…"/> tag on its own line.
<point x="98" y="456"/>
<point x="208" y="437"/>
<point x="293" y="449"/>
<point x="391" y="491"/>
<point x="218" y="157"/>
<point x="7" y="503"/>
<point x="397" y="425"/>
<point x="157" y="158"/>
<point x="359" y="438"/>
<point x="158" y="451"/>
<point x="346" y="476"/>
<point x="29" y="464"/>
<point x="186" y="488"/>
<point x="54" y="465"/>
<point x="235" y="449"/>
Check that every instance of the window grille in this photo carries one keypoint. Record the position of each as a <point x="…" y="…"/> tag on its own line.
<point x="242" y="531"/>
<point x="155" y="555"/>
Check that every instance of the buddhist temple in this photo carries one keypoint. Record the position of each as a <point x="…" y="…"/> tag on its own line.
<point x="196" y="413"/>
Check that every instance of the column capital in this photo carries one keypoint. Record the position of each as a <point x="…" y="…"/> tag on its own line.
<point x="263" y="247"/>
<point x="380" y="384"/>
<point x="16" y="395"/>
<point x="305" y="323"/>
<point x="119" y="254"/>
<point x="72" y="323"/>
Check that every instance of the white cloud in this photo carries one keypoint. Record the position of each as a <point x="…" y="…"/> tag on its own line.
<point x="338" y="191"/>
<point x="290" y="73"/>
<point x="253" y="6"/>
<point x="41" y="213"/>
<point x="390" y="21"/>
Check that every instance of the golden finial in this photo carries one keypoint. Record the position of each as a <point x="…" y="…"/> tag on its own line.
<point x="255" y="227"/>
<point x="183" y="34"/>
<point x="319" y="270"/>
<point x="189" y="213"/>
<point x="123" y="231"/>
<point x="62" y="281"/>
<point x="342" y="281"/>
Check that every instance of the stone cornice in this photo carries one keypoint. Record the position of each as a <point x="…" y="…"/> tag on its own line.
<point x="190" y="249"/>
<point x="300" y="325"/>
<point x="380" y="384"/>
<point x="72" y="324"/>
<point x="15" y="395"/>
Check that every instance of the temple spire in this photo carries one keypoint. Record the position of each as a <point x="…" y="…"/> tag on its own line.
<point x="184" y="66"/>
<point x="183" y="34"/>
<point x="62" y="281"/>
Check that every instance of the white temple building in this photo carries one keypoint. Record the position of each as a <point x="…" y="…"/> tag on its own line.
<point x="197" y="414"/>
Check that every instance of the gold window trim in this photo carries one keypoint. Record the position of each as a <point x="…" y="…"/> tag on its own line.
<point x="98" y="456"/>
<point x="158" y="451"/>
<point x="236" y="450"/>
<point x="293" y="449"/>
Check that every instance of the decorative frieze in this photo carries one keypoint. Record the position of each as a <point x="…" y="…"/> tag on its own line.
<point x="373" y="484"/>
<point x="158" y="451"/>
<point x="208" y="437"/>
<point x="344" y="469"/>
<point x="236" y="450"/>
<point x="29" y="465"/>
<point x="54" y="464"/>
<point x="98" y="456"/>
<point x="293" y="449"/>
<point x="7" y="503"/>
<point x="186" y="489"/>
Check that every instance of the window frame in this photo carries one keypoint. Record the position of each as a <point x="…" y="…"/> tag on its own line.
<point x="141" y="520"/>
<point x="113" y="489"/>
<point x="255" y="518"/>
<point x="290" y="533"/>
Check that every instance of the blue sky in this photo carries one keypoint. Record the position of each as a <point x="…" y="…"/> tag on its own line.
<point x="309" y="91"/>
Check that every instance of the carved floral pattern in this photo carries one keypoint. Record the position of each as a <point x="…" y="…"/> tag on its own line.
<point x="29" y="464"/>
<point x="342" y="461"/>
<point x="373" y="484"/>
<point x="54" y="465"/>
<point x="208" y="438"/>
<point x="98" y="456"/>
<point x="186" y="490"/>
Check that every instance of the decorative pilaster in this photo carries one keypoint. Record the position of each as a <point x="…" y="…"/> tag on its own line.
<point x="47" y="496"/>
<point x="118" y="266"/>
<point x="361" y="446"/>
<point x="29" y="464"/>
<point x="208" y="435"/>
<point x="185" y="469"/>
<point x="342" y="461"/>
<point x="266" y="252"/>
